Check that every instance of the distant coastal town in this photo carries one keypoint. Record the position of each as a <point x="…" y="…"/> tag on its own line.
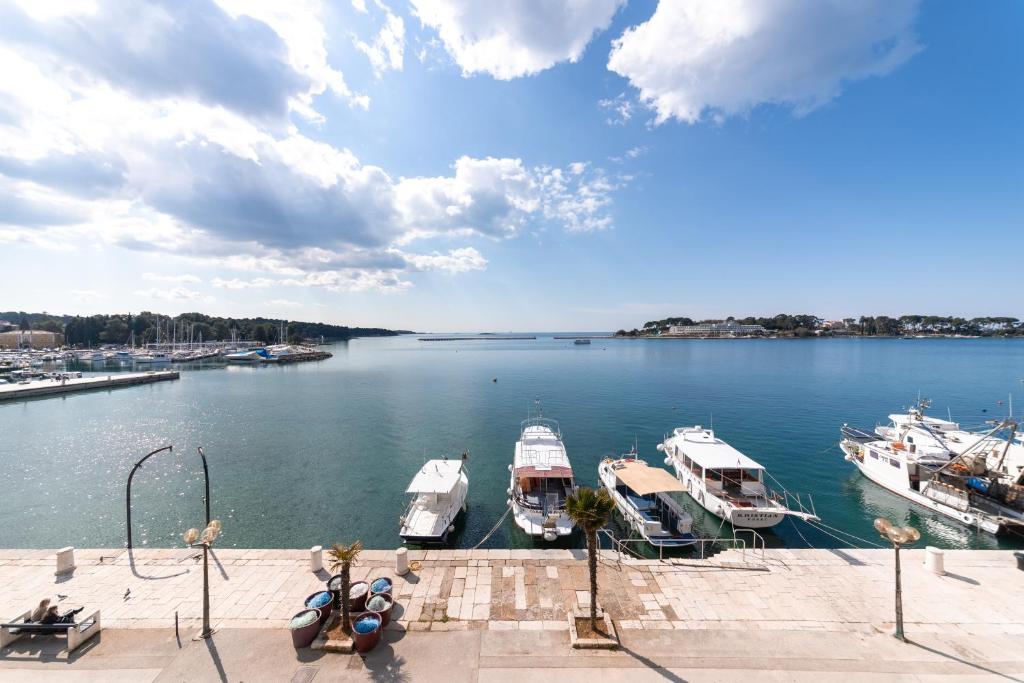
<point x="785" y="325"/>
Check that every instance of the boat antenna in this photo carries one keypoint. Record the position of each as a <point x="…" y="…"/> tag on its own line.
<point x="712" y="420"/>
<point x="949" y="413"/>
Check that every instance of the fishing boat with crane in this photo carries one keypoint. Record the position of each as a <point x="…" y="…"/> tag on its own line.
<point x="970" y="483"/>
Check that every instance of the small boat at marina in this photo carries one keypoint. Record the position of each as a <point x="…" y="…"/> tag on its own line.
<point x="727" y="483"/>
<point x="541" y="480"/>
<point x="155" y="357"/>
<point x="438" y="496"/>
<point x="247" y="356"/>
<point x="581" y="342"/>
<point x="642" y="495"/>
<point x="931" y="462"/>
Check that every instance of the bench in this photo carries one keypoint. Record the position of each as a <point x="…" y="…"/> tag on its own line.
<point x="76" y="633"/>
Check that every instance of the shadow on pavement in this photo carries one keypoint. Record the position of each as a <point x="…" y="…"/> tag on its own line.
<point x="965" y="662"/>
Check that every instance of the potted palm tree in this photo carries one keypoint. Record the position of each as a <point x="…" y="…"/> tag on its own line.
<point x="343" y="556"/>
<point x="590" y="511"/>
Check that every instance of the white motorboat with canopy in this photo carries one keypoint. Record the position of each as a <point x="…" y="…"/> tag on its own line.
<point x="438" y="496"/>
<point x="727" y="483"/>
<point x="642" y="495"/>
<point x="541" y="480"/>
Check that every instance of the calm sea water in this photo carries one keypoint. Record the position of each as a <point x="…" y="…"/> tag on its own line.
<point x="313" y="453"/>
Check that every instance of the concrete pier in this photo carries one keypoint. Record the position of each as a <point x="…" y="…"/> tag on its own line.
<point x="42" y="388"/>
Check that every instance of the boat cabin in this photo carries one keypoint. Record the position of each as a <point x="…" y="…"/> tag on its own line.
<point x="723" y="470"/>
<point x="541" y="473"/>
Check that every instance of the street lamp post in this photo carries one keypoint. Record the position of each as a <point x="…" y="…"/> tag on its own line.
<point x="194" y="539"/>
<point x="898" y="536"/>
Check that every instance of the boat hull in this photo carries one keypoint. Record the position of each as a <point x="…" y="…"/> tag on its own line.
<point x="964" y="517"/>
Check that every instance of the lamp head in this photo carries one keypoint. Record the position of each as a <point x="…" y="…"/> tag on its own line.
<point x="190" y="536"/>
<point x="883" y="526"/>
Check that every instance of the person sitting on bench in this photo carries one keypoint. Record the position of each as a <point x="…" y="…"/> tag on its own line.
<point x="39" y="612"/>
<point x="52" y="617"/>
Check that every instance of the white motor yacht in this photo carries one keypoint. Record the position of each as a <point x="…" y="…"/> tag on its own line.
<point x="727" y="483"/>
<point x="541" y="480"/>
<point x="642" y="496"/>
<point x="438" y="496"/>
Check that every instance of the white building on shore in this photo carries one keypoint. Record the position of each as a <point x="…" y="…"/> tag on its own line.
<point x="729" y="328"/>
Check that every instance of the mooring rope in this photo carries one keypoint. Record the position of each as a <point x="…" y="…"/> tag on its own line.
<point x="819" y="525"/>
<point x="493" y="529"/>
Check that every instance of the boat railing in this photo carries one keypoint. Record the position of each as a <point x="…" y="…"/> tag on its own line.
<point x="756" y="546"/>
<point x="541" y="422"/>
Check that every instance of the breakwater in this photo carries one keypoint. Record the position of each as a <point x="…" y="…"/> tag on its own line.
<point x="10" y="392"/>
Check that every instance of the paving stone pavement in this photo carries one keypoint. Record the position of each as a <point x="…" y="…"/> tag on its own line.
<point x="522" y="590"/>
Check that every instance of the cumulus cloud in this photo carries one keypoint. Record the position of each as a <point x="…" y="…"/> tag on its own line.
<point x="724" y="57"/>
<point x="455" y="261"/>
<point x="173" y="294"/>
<point x="182" y="279"/>
<point x="619" y="108"/>
<point x="90" y="155"/>
<point x="386" y="51"/>
<point x="516" y="37"/>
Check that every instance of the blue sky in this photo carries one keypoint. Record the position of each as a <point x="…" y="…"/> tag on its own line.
<point x="526" y="165"/>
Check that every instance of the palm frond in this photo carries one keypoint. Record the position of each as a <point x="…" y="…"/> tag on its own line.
<point x="343" y="555"/>
<point x="589" y="509"/>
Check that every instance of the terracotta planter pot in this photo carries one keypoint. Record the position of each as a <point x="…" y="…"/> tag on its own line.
<point x="358" y="604"/>
<point x="303" y="636"/>
<point x="384" y="612"/>
<point x="386" y="591"/>
<point x="364" y="642"/>
<point x="325" y="610"/>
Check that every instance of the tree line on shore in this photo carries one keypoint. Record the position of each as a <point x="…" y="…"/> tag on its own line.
<point x="810" y="325"/>
<point x="147" y="327"/>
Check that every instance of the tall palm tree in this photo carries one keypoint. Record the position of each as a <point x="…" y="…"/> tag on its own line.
<point x="590" y="510"/>
<point x="344" y="556"/>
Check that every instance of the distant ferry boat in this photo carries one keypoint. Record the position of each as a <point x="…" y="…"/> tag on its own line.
<point x="581" y="342"/>
<point x="727" y="483"/>
<point x="541" y="480"/>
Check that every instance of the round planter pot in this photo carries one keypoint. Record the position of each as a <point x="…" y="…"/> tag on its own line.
<point x="334" y="585"/>
<point x="377" y="583"/>
<point x="385" y="611"/>
<point x="358" y="591"/>
<point x="325" y="608"/>
<point x="304" y="629"/>
<point x="371" y="622"/>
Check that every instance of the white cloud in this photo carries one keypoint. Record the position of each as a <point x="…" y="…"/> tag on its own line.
<point x="359" y="6"/>
<point x="515" y="38"/>
<point x="724" y="57"/>
<point x="90" y="156"/>
<point x="455" y="261"/>
<point x="620" y="109"/>
<point x="86" y="296"/>
<point x="182" y="279"/>
<point x="283" y="303"/>
<point x="235" y="283"/>
<point x="386" y="50"/>
<point x="174" y="294"/>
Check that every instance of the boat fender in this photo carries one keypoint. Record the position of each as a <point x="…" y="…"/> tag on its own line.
<point x="668" y="462"/>
<point x="550" y="536"/>
<point x="508" y="492"/>
<point x="451" y="528"/>
<point x="465" y="506"/>
<point x="848" y="458"/>
<point x="509" y="502"/>
<point x="510" y="468"/>
<point x="660" y="447"/>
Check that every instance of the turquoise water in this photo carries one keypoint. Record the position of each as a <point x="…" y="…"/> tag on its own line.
<point x="314" y="453"/>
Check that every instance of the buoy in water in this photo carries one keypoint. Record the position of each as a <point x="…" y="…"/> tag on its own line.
<point x="495" y="380"/>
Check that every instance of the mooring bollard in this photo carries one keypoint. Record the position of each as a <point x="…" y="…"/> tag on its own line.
<point x="316" y="558"/>
<point x="402" y="561"/>
<point x="65" y="560"/>
<point x="934" y="560"/>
